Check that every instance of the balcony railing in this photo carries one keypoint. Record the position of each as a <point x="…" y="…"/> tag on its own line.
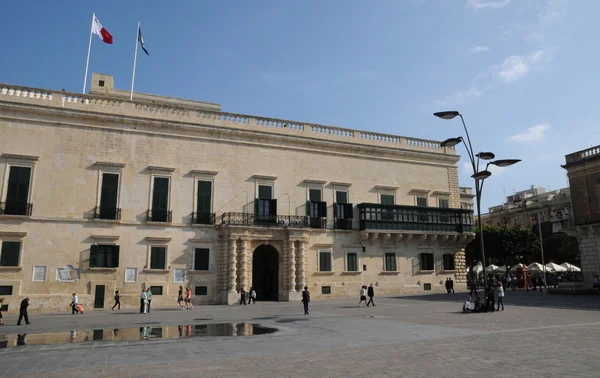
<point x="413" y="218"/>
<point x="260" y="220"/>
<point x="343" y="223"/>
<point x="203" y="218"/>
<point x="16" y="208"/>
<point x="113" y="213"/>
<point x="160" y="216"/>
<point x="317" y="222"/>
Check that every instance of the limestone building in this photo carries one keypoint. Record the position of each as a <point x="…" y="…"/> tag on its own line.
<point x="583" y="170"/>
<point x="100" y="193"/>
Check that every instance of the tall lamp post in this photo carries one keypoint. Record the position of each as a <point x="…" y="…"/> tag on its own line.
<point x="478" y="175"/>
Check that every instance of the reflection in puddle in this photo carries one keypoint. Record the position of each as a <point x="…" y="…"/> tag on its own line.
<point x="136" y="334"/>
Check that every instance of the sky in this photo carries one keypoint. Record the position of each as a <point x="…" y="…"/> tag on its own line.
<point x="524" y="73"/>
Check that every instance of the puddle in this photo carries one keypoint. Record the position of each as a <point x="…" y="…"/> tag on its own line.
<point x="136" y="334"/>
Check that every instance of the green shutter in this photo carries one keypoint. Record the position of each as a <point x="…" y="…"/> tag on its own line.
<point x="335" y="209"/>
<point x="323" y="209"/>
<point x="160" y="194"/>
<point x="349" y="211"/>
<point x="10" y="253"/>
<point x="273" y="207"/>
<point x="308" y="208"/>
<point x="201" y="257"/>
<point x="115" y="256"/>
<point x="204" y="196"/>
<point x="18" y="184"/>
<point x="256" y="206"/>
<point x="94" y="256"/>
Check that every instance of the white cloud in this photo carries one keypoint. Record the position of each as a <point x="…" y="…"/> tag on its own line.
<point x="461" y="97"/>
<point x="478" y="49"/>
<point x="491" y="4"/>
<point x="517" y="66"/>
<point x="533" y="133"/>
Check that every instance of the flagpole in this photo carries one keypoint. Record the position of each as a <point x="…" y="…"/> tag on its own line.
<point x="137" y="36"/>
<point x="87" y="62"/>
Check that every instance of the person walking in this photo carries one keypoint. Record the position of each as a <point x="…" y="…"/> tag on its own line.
<point x="305" y="299"/>
<point x="180" y="297"/>
<point x="363" y="295"/>
<point x="117" y="300"/>
<point x="489" y="303"/>
<point x="500" y="292"/>
<point x="143" y="302"/>
<point x="74" y="303"/>
<point x="447" y="285"/>
<point x="371" y="294"/>
<point x="188" y="299"/>
<point x="242" y="297"/>
<point x="1" y="304"/>
<point x="252" y="298"/>
<point x="23" y="311"/>
<point x="452" y="285"/>
<point x="149" y="296"/>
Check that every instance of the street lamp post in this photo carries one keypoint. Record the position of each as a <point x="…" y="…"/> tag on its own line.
<point x="478" y="175"/>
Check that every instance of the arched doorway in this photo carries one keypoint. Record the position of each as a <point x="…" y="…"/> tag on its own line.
<point x="265" y="273"/>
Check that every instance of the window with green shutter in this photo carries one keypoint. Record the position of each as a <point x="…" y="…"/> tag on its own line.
<point x="390" y="262"/>
<point x="427" y="261"/>
<point x="204" y="198"/>
<point x="201" y="258"/>
<point x="352" y="262"/>
<point x="104" y="256"/>
<point x="160" y="199"/>
<point x="158" y="256"/>
<point x="386" y="199"/>
<point x="448" y="262"/>
<point x="17" y="191"/>
<point x="324" y="261"/>
<point x="9" y="255"/>
<point x="109" y="193"/>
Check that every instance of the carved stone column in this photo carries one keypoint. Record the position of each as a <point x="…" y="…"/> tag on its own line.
<point x="292" y="265"/>
<point x="301" y="265"/>
<point x="231" y="278"/>
<point x="244" y="264"/>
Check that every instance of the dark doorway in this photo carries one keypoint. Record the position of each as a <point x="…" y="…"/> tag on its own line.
<point x="99" y="298"/>
<point x="265" y="273"/>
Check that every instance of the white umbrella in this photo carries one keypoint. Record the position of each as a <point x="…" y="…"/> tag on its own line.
<point x="500" y="269"/>
<point x="491" y="268"/>
<point x="515" y="267"/>
<point x="554" y="268"/>
<point x="478" y="268"/>
<point x="570" y="268"/>
<point x="536" y="267"/>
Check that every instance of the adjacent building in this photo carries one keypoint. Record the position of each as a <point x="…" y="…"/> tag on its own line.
<point x="100" y="193"/>
<point x="522" y="208"/>
<point x="583" y="170"/>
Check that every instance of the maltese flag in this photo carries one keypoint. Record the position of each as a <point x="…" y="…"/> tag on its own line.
<point x="99" y="30"/>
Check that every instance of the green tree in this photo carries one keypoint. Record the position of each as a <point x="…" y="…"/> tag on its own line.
<point x="561" y="248"/>
<point x="504" y="246"/>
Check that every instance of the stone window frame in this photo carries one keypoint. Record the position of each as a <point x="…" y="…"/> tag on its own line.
<point x="13" y="160"/>
<point x="157" y="242"/>
<point x="386" y="190"/>
<point x="356" y="251"/>
<point x="315" y="185"/>
<point x="325" y="250"/>
<point x="9" y="236"/>
<point x="196" y="243"/>
<point x="385" y="268"/>
<point x="210" y="176"/>
<point x="440" y="195"/>
<point x="161" y="172"/>
<point x="261" y="180"/>
<point x="111" y="168"/>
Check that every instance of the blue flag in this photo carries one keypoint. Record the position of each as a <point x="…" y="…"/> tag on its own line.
<point x="141" y="39"/>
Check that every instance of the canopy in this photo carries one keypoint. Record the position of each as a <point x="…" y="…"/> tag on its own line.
<point x="478" y="268"/>
<point x="491" y="268"/>
<point x="553" y="268"/>
<point x="570" y="268"/>
<point x="536" y="267"/>
<point x="515" y="267"/>
<point x="500" y="269"/>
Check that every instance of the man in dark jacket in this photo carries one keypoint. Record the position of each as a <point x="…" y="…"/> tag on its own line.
<point x="490" y="302"/>
<point x="371" y="294"/>
<point x="23" y="311"/>
<point x="305" y="299"/>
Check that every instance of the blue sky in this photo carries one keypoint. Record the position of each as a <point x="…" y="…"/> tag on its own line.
<point x="524" y="73"/>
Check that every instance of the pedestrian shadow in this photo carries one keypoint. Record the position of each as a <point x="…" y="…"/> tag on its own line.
<point x="292" y="320"/>
<point x="203" y="319"/>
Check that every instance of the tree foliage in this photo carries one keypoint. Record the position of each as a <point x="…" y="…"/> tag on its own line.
<point x="504" y="246"/>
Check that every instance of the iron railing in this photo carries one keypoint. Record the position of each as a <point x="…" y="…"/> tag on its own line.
<point x="317" y="222"/>
<point x="414" y="218"/>
<point x="155" y="215"/>
<point x="261" y="220"/>
<point x="16" y="208"/>
<point x="113" y="213"/>
<point x="203" y="218"/>
<point x="343" y="223"/>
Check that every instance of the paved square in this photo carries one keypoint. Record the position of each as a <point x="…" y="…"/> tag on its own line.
<point x="411" y="336"/>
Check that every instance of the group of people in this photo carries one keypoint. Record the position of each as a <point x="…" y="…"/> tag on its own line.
<point x="493" y="295"/>
<point x="449" y="285"/>
<point x="145" y="301"/>
<point x="250" y="295"/>
<point x="185" y="303"/>
<point x="364" y="292"/>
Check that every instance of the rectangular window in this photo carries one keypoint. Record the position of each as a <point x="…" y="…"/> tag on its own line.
<point x="390" y="262"/>
<point x="427" y="261"/>
<point x="6" y="290"/>
<point x="448" y="262"/>
<point x="265" y="205"/>
<point x="427" y="286"/>
<point x="17" y="193"/>
<point x="201" y="258"/>
<point x="109" y="194"/>
<point x="314" y="195"/>
<point x="444" y="203"/>
<point x="324" y="261"/>
<point x="341" y="197"/>
<point x="39" y="274"/>
<point x="204" y="202"/>
<point x="201" y="290"/>
<point x="160" y="200"/>
<point x="422" y="201"/>
<point x="326" y="290"/>
<point x="104" y="256"/>
<point x="156" y="290"/>
<point x="158" y="256"/>
<point x="386" y="199"/>
<point x="9" y="255"/>
<point x="342" y="211"/>
<point x="352" y="262"/>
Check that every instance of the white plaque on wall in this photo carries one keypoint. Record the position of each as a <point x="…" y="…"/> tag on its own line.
<point x="39" y="273"/>
<point x="178" y="275"/>
<point x="130" y="274"/>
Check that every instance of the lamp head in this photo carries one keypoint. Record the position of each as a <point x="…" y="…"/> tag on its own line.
<point x="451" y="142"/>
<point x="482" y="175"/>
<point x="486" y="155"/>
<point x="505" y="162"/>
<point x="447" y="114"/>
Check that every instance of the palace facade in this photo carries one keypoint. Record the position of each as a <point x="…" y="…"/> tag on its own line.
<point x="100" y="193"/>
